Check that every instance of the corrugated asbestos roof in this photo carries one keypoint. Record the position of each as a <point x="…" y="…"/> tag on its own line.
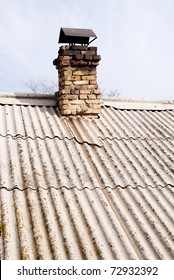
<point x="80" y="188"/>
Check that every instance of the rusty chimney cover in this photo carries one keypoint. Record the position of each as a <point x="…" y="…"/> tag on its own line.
<point x="76" y="36"/>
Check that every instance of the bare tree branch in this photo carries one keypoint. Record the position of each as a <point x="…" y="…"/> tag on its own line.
<point x="41" y="86"/>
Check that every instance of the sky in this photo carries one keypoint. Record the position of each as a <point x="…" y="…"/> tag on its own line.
<point x="135" y="41"/>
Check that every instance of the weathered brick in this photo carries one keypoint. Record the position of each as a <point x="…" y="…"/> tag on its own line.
<point x="75" y="91"/>
<point x="96" y="106"/>
<point x="77" y="47"/>
<point x="95" y="63"/>
<point x="69" y="97"/>
<point x="67" y="72"/>
<point x="78" y="104"/>
<point x="64" y="63"/>
<point x="79" y="62"/>
<point x="74" y="112"/>
<point x="75" y="78"/>
<point x="66" y="112"/>
<point x="61" y="79"/>
<point x="77" y="72"/>
<point x="96" y="101"/>
<point x="92" y="111"/>
<point x="65" y="57"/>
<point x="97" y="57"/>
<point x="91" y="96"/>
<point x="83" y="96"/>
<point x="88" y="57"/>
<point x="65" y="91"/>
<point x="79" y="56"/>
<point x="89" y="78"/>
<point x="78" y="87"/>
<point x="93" y="82"/>
<point x="97" y="91"/>
<point x="84" y="108"/>
<point x="92" y="87"/>
<point x="66" y="107"/>
<point x="93" y="72"/>
<point x="92" y="48"/>
<point x="63" y="102"/>
<point x="88" y="52"/>
<point x="67" y="83"/>
<point x="85" y="91"/>
<point x="64" y="87"/>
<point x="65" y="68"/>
<point x="82" y="72"/>
<point x="81" y="82"/>
<point x="69" y="52"/>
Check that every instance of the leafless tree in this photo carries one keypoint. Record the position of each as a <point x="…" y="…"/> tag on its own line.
<point x="110" y="93"/>
<point x="41" y="86"/>
<point x="50" y="87"/>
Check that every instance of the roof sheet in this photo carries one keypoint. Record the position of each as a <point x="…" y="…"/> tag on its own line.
<point x="80" y="188"/>
<point x="90" y="224"/>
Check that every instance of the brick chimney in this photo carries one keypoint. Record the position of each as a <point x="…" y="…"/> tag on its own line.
<point x="78" y="90"/>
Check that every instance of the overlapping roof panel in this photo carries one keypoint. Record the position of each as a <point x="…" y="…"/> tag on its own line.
<point x="41" y="121"/>
<point x="80" y="188"/>
<point x="90" y="224"/>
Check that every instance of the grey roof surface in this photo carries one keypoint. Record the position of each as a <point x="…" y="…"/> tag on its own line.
<point x="80" y="188"/>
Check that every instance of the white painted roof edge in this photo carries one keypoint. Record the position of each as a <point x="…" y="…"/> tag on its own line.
<point x="26" y="95"/>
<point x="138" y="104"/>
<point x="32" y="99"/>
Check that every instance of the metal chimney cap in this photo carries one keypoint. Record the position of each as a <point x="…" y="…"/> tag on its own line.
<point x="76" y="36"/>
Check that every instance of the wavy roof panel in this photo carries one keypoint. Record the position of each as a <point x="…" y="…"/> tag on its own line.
<point x="80" y="188"/>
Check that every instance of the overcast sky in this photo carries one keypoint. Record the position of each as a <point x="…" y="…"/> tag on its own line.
<point x="135" y="40"/>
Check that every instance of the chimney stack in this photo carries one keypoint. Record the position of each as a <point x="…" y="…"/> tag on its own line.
<point x="78" y="90"/>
